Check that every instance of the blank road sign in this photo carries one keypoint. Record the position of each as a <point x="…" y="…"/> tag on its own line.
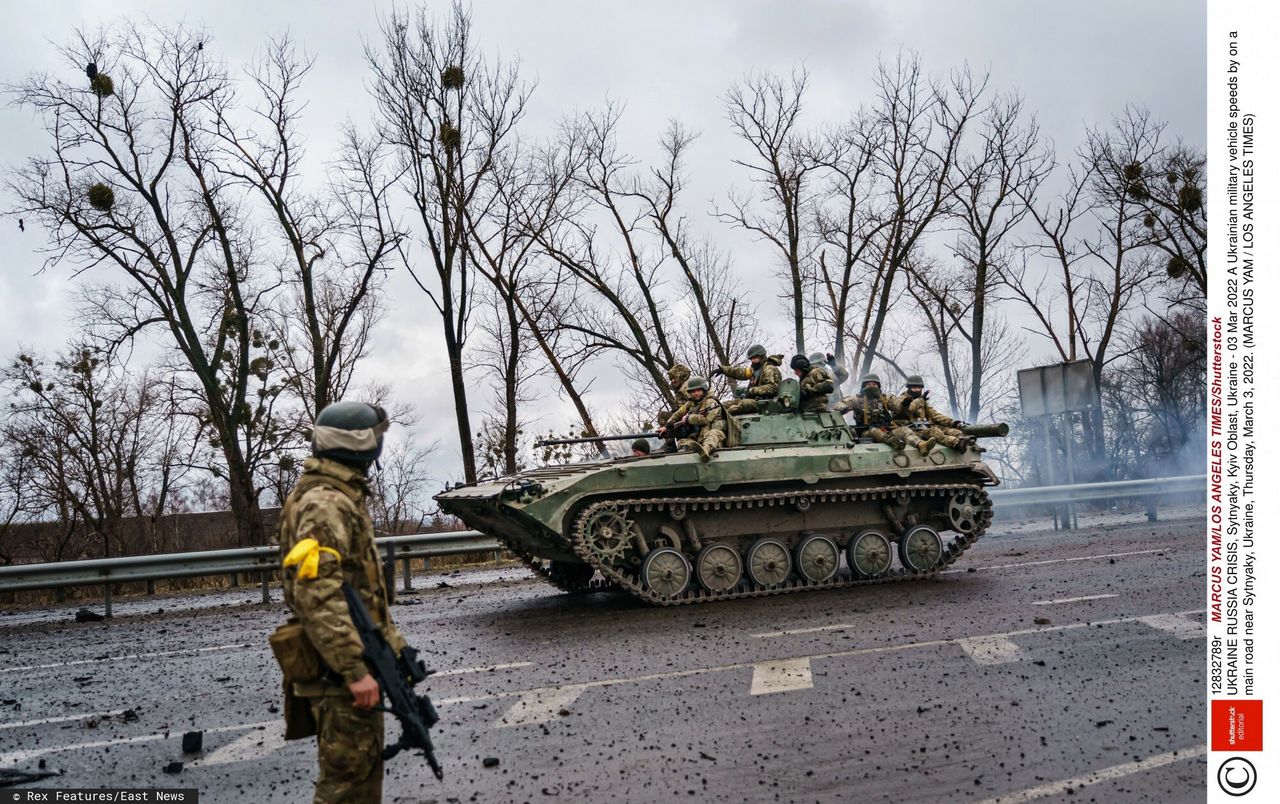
<point x="1059" y="388"/>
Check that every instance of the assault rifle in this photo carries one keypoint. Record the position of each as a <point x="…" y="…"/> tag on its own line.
<point x="396" y="677"/>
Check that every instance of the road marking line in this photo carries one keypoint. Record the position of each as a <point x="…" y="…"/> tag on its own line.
<point x="1175" y="624"/>
<point x="844" y="626"/>
<point x="1104" y="775"/>
<point x="18" y="757"/>
<point x="933" y="643"/>
<point x="254" y="745"/>
<point x="783" y="676"/>
<point x="487" y="669"/>
<point x="61" y="719"/>
<point x="539" y="706"/>
<point x="157" y="655"/>
<point x="1059" y="560"/>
<point x="997" y="649"/>
<point x="1071" y="600"/>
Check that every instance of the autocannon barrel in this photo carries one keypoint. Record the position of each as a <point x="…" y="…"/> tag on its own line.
<point x="986" y="430"/>
<point x="551" y="442"/>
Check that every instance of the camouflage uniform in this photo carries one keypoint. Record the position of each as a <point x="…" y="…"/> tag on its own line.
<point x="942" y="428"/>
<point x="762" y="384"/>
<point x="815" y="388"/>
<point x="882" y="416"/>
<point x="328" y="505"/>
<point x="678" y="381"/>
<point x="708" y="417"/>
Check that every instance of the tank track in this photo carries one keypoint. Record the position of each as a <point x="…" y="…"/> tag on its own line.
<point x="546" y="573"/>
<point x="951" y="550"/>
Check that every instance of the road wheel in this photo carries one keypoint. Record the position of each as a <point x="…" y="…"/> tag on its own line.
<point x="964" y="511"/>
<point x="817" y="558"/>
<point x="920" y="549"/>
<point x="666" y="572"/>
<point x="719" y="568"/>
<point x="768" y="562"/>
<point x="869" y="554"/>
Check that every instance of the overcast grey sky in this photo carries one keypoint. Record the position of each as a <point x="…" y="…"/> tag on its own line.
<point x="1076" y="64"/>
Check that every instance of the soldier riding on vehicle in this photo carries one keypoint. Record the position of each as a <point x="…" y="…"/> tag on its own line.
<point x="881" y="417"/>
<point x="762" y="376"/>
<point x="935" y="425"/>
<point x="698" y="424"/>
<point x="815" y="384"/>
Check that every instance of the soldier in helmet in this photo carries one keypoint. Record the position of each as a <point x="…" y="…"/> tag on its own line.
<point x="838" y="373"/>
<point x="326" y="540"/>
<point x="678" y="381"/>
<point x="640" y="448"/>
<point x="762" y="376"/>
<point x="941" y="428"/>
<point x="879" y="416"/>
<point x="701" y="419"/>
<point x="815" y="384"/>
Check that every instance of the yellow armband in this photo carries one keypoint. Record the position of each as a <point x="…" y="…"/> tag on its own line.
<point x="307" y="553"/>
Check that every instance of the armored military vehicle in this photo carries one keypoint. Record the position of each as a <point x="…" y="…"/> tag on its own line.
<point x="775" y="511"/>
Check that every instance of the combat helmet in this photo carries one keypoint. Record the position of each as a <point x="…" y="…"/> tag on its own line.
<point x="757" y="350"/>
<point x="914" y="379"/>
<point x="678" y="373"/>
<point x="350" y="433"/>
<point x="695" y="383"/>
<point x="869" y="377"/>
<point x="800" y="363"/>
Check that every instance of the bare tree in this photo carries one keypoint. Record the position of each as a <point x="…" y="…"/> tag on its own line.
<point x="992" y="186"/>
<point x="922" y="124"/>
<point x="400" y="501"/>
<point x="721" y="308"/>
<point x="137" y="185"/>
<point x="764" y="111"/>
<point x="337" y="241"/>
<point x="448" y="115"/>
<point x="98" y="446"/>
<point x="847" y="223"/>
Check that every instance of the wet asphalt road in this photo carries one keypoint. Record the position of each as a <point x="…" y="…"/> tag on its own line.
<point x="1042" y="663"/>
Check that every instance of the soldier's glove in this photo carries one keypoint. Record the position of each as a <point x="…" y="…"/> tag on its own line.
<point x="715" y="371"/>
<point x="739" y="393"/>
<point x="959" y="424"/>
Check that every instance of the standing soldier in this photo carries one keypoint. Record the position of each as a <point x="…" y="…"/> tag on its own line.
<point x="326" y="540"/>
<point x="941" y="428"/>
<point x="703" y="412"/>
<point x="839" y="374"/>
<point x="678" y="382"/>
<point x="815" y="384"/>
<point x="881" y="416"/>
<point x="762" y="376"/>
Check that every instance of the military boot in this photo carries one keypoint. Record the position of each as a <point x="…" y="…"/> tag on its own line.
<point x="926" y="446"/>
<point x="702" y="451"/>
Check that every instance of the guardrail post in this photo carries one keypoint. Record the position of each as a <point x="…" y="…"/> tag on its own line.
<point x="266" y="588"/>
<point x="408" y="576"/>
<point x="107" y="599"/>
<point x="1152" y="501"/>
<point x="235" y="580"/>
<point x="389" y="571"/>
<point x="151" y="588"/>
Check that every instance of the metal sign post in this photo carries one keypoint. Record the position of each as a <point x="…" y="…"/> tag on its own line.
<point x="1059" y="390"/>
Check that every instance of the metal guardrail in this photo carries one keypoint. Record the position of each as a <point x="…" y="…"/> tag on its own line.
<point x="1088" y="492"/>
<point x="265" y="560"/>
